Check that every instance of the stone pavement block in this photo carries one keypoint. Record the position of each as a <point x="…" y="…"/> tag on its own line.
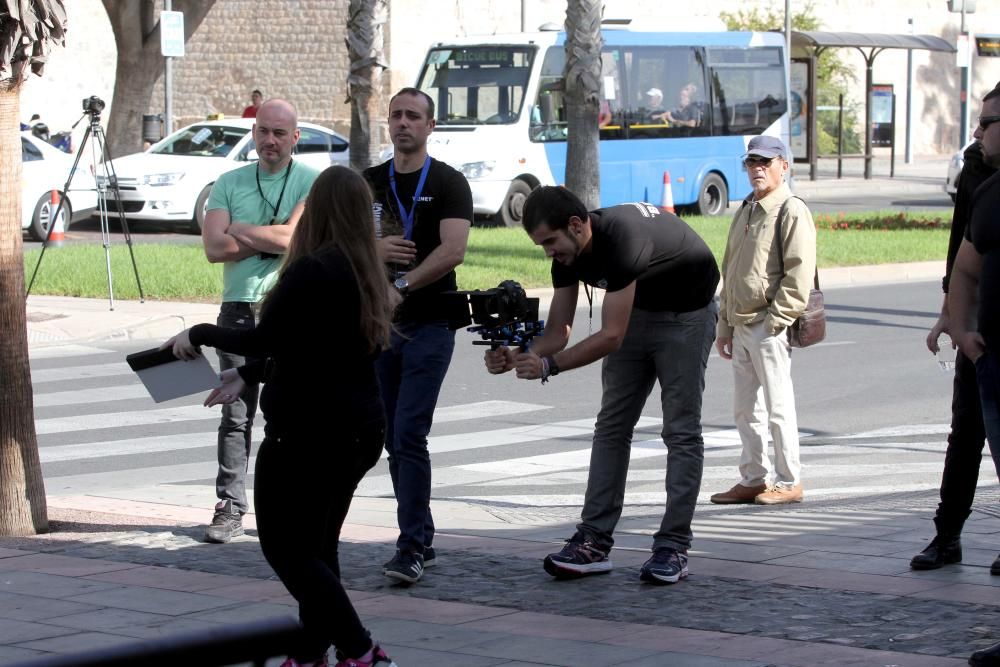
<point x="559" y="652"/>
<point x="80" y="641"/>
<point x="553" y="626"/>
<point x="10" y="654"/>
<point x="108" y="619"/>
<point x="959" y="573"/>
<point x="963" y="593"/>
<point x="844" y="563"/>
<point x="33" y="608"/>
<point x="62" y="565"/>
<point x="21" y="631"/>
<point x="172" y="603"/>
<point x="855" y="581"/>
<point x="673" y="659"/>
<point x="427" y="635"/>
<point x="443" y="612"/>
<point x="48" y="585"/>
<point x="170" y="578"/>
<point x="731" y="549"/>
<point x="247" y="611"/>
<point x="264" y="591"/>
<point x="415" y="657"/>
<point x="10" y="553"/>
<point x="166" y="626"/>
<point x="831" y="655"/>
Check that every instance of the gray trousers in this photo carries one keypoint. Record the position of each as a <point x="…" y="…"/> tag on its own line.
<point x="237" y="417"/>
<point x="671" y="348"/>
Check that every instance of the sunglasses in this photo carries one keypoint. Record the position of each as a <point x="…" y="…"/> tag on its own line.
<point x="986" y="121"/>
<point x="751" y="162"/>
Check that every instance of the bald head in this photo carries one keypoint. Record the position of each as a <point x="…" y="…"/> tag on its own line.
<point x="275" y="133"/>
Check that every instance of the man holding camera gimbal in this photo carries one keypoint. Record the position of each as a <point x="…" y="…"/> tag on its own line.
<point x="657" y="324"/>
<point x="251" y="215"/>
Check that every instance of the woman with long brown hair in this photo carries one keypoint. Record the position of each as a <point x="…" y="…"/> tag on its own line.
<point x="321" y="327"/>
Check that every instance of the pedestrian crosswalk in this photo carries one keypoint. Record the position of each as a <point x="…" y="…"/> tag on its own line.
<point x="98" y="430"/>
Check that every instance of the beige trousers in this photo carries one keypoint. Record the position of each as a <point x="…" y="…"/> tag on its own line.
<point x="764" y="402"/>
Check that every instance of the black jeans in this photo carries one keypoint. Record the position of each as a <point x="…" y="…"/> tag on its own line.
<point x="303" y="488"/>
<point x="964" y="453"/>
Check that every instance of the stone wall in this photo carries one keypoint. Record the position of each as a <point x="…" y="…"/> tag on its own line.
<point x="292" y="49"/>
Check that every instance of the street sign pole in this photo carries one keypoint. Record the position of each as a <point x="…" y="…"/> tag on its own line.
<point x="172" y="46"/>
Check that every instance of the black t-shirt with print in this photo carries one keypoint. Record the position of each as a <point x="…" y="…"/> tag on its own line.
<point x="673" y="268"/>
<point x="445" y="194"/>
<point x="984" y="233"/>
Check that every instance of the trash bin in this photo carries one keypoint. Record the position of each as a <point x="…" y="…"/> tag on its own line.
<point x="152" y="127"/>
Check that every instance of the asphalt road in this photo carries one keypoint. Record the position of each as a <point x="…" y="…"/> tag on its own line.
<point x="873" y="410"/>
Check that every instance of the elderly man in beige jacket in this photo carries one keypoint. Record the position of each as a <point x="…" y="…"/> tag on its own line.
<point x="764" y="290"/>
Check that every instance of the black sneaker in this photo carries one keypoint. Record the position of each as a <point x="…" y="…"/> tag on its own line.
<point x="405" y="566"/>
<point x="665" y="566"/>
<point x="226" y="524"/>
<point x="579" y="558"/>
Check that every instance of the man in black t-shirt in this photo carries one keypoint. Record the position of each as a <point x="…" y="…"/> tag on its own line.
<point x="423" y="210"/>
<point x="658" y="322"/>
<point x="976" y="278"/>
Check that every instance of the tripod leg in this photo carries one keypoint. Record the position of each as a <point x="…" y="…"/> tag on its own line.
<point x="121" y="212"/>
<point x="55" y="216"/>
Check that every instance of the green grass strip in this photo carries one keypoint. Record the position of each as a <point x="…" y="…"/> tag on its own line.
<point x="181" y="272"/>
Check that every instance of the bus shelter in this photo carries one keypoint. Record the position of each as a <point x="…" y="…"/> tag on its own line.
<point x="870" y="45"/>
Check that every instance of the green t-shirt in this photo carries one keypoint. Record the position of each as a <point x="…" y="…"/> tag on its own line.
<point x="236" y="191"/>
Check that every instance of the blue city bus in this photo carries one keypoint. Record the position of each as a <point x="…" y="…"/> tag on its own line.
<point x="501" y="118"/>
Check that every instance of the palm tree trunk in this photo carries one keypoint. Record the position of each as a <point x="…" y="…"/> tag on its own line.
<point x="582" y="76"/>
<point x="364" y="47"/>
<point x="22" y="491"/>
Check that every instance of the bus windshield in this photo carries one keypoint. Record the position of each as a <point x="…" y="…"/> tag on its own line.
<point x="479" y="85"/>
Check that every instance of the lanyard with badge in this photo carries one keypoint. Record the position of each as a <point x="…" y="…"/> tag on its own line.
<point x="408" y="216"/>
<point x="277" y="205"/>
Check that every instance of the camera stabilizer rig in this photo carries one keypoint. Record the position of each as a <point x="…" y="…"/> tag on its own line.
<point x="504" y="315"/>
<point x="108" y="180"/>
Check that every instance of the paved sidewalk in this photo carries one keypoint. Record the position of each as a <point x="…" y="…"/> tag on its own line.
<point x="817" y="584"/>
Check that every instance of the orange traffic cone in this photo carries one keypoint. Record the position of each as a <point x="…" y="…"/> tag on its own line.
<point x="58" y="233"/>
<point x="667" y="202"/>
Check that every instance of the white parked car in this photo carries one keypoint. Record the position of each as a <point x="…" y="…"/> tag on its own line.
<point x="45" y="168"/>
<point x="172" y="179"/>
<point x="955" y="165"/>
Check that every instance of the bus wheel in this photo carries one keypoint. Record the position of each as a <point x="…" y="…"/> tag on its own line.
<point x="512" y="210"/>
<point x="714" y="196"/>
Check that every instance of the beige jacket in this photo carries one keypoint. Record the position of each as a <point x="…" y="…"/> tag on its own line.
<point x="754" y="285"/>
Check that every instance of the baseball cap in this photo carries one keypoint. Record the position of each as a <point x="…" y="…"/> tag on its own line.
<point x="655" y="92"/>
<point x="766" y="146"/>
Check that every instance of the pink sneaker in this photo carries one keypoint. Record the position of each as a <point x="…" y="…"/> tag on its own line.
<point x="292" y="662"/>
<point x="379" y="659"/>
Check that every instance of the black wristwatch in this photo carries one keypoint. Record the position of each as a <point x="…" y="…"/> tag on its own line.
<point x="401" y="285"/>
<point x="553" y="366"/>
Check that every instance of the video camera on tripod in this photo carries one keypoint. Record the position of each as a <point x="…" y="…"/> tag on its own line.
<point x="504" y="315"/>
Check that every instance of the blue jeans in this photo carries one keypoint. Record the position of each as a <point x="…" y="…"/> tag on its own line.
<point x="671" y="348"/>
<point x="988" y="375"/>
<point x="411" y="372"/>
<point x="237" y="417"/>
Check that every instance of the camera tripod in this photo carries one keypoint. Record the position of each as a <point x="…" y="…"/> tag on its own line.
<point x="109" y="181"/>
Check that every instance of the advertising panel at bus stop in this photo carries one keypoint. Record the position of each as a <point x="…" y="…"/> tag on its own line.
<point x="881" y="105"/>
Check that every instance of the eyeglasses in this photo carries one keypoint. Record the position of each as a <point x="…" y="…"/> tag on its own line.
<point x="751" y="162"/>
<point x="986" y="121"/>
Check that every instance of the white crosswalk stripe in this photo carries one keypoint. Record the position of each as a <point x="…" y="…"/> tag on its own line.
<point x="476" y="457"/>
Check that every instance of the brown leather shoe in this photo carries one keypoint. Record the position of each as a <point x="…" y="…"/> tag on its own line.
<point x="779" y="495"/>
<point x="739" y="495"/>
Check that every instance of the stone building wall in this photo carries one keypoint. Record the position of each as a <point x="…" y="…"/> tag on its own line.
<point x="292" y="49"/>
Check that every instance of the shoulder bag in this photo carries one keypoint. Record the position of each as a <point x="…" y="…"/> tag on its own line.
<point x="810" y="327"/>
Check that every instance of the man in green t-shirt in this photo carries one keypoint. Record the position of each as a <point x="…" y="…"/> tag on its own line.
<point x="251" y="215"/>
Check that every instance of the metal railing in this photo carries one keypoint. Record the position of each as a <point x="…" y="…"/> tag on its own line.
<point x="252" y="642"/>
